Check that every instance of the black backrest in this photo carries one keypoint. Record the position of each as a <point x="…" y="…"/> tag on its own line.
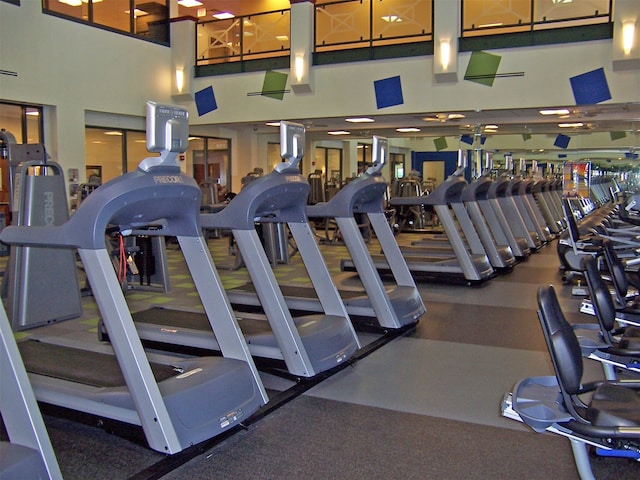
<point x="571" y="222"/>
<point x="562" y="343"/>
<point x="617" y="272"/>
<point x="600" y="296"/>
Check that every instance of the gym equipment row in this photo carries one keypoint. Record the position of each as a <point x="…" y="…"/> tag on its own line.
<point x="488" y="225"/>
<point x="180" y="401"/>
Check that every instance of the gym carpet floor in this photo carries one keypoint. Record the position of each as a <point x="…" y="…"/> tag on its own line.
<point x="424" y="406"/>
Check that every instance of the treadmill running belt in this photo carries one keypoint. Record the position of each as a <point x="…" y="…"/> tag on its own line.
<point x="169" y="318"/>
<point x="295" y="291"/>
<point x="79" y="366"/>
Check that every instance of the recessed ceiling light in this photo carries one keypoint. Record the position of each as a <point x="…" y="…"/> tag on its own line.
<point x="282" y="38"/>
<point x="339" y="132"/>
<point x="189" y="3"/>
<point x="359" y="120"/>
<point x="223" y="15"/>
<point x="113" y="133"/>
<point x="391" y="18"/>
<point x="407" y="129"/>
<point x="491" y="127"/>
<point x="557" y="111"/>
<point x="272" y="124"/>
<point x="571" y="125"/>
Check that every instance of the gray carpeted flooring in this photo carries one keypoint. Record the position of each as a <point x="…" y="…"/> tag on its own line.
<point x="426" y="406"/>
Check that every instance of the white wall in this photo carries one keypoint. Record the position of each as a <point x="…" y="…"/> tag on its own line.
<point x="347" y="89"/>
<point x="74" y="68"/>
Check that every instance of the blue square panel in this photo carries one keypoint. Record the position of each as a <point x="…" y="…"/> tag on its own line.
<point x="562" y="141"/>
<point x="205" y="101"/>
<point x="590" y="88"/>
<point x="388" y="92"/>
<point x="468" y="139"/>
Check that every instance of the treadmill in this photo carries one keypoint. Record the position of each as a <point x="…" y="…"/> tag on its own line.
<point x="504" y="206"/>
<point x="521" y="194"/>
<point x="458" y="262"/>
<point x="495" y="244"/>
<point x="177" y="403"/>
<point x="29" y="453"/>
<point x="308" y="344"/>
<point x="391" y="307"/>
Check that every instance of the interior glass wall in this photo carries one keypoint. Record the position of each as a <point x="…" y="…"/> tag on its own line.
<point x="142" y="18"/>
<point x="480" y="17"/>
<point x="211" y="161"/>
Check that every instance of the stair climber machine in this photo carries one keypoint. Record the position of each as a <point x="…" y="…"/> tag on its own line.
<point x="308" y="344"/>
<point x="177" y="402"/>
<point x="456" y="261"/>
<point x="38" y="199"/>
<point x="394" y="307"/>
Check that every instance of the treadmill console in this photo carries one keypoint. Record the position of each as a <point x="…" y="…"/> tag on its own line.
<point x="379" y="153"/>
<point x="292" y="138"/>
<point x="167" y="128"/>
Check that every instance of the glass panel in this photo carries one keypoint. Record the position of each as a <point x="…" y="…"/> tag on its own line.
<point x="554" y="10"/>
<point x="136" y="149"/>
<point x="218" y="163"/>
<point x="34" y="124"/>
<point x="196" y="152"/>
<point x="266" y="33"/>
<point x="342" y="23"/>
<point x="496" y="14"/>
<point x="151" y="20"/>
<point x="219" y="39"/>
<point x="103" y="148"/>
<point x="11" y="120"/>
<point x="401" y="18"/>
<point x="114" y="14"/>
<point x="71" y="8"/>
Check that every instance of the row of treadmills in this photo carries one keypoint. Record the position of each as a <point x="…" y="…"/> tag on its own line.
<point x="602" y="247"/>
<point x="181" y="400"/>
<point x="487" y="226"/>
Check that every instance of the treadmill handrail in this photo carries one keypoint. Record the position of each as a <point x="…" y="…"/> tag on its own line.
<point x="277" y="197"/>
<point x="362" y="195"/>
<point x="133" y="196"/>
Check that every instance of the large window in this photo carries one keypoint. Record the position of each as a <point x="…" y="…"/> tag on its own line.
<point x="211" y="160"/>
<point x="24" y="122"/>
<point x="141" y="18"/>
<point x="480" y="17"/>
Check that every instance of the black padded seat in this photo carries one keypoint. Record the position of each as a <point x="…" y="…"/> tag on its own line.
<point x="614" y="406"/>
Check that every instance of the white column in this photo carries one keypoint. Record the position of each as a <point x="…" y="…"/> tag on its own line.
<point x="626" y="35"/>
<point x="446" y="30"/>
<point x="302" y="35"/>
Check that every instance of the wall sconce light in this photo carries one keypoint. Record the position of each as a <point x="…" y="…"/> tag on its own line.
<point x="299" y="66"/>
<point x="179" y="79"/>
<point x="445" y="53"/>
<point x="628" y="34"/>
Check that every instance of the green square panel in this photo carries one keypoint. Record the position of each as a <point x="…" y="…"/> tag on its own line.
<point x="482" y="68"/>
<point x="440" y="143"/>
<point x="274" y="85"/>
<point x="617" y="135"/>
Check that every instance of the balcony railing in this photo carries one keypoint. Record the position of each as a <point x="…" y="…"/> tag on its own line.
<point x="482" y="18"/>
<point x="366" y="23"/>
<point x="249" y="37"/>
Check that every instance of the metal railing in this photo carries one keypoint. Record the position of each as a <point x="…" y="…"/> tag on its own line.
<point x="480" y="18"/>
<point x="241" y="38"/>
<point x="366" y="23"/>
